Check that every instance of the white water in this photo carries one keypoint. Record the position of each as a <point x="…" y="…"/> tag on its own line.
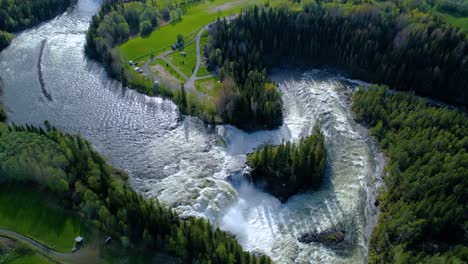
<point x="185" y="163"/>
<point x="196" y="186"/>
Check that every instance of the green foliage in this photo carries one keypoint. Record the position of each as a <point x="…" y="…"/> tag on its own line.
<point x="453" y="7"/>
<point x="408" y="50"/>
<point x="16" y="15"/>
<point x="21" y="254"/>
<point x="27" y="156"/>
<point x="423" y="208"/>
<point x="146" y="28"/>
<point x="251" y="103"/>
<point x="113" y="25"/>
<point x="196" y="15"/>
<point x="98" y="193"/>
<point x="288" y="168"/>
<point x="5" y="40"/>
<point x="36" y="214"/>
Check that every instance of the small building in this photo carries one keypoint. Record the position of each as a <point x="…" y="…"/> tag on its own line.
<point x="130" y="63"/>
<point x="136" y="68"/>
<point x="184" y="54"/>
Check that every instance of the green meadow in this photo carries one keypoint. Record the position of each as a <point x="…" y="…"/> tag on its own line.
<point x="202" y="71"/>
<point x="185" y="63"/>
<point x="209" y="86"/>
<point x="458" y="21"/>
<point x="196" y="17"/>
<point x="29" y="259"/>
<point x="35" y="214"/>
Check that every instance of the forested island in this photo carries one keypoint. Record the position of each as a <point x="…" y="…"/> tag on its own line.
<point x="17" y="15"/>
<point x="288" y="168"/>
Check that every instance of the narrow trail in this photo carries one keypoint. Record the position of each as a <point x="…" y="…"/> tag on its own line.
<point x="190" y="84"/>
<point x="84" y="255"/>
<point x="205" y="77"/>
<point x="190" y="81"/>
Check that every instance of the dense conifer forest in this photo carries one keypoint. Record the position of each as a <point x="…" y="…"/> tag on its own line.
<point x="16" y="15"/>
<point x="68" y="166"/>
<point x="405" y="49"/>
<point x="423" y="205"/>
<point x="289" y="168"/>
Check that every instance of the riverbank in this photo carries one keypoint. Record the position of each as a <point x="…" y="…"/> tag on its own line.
<point x="33" y="13"/>
<point x="179" y="161"/>
<point x="416" y="161"/>
<point x="219" y="101"/>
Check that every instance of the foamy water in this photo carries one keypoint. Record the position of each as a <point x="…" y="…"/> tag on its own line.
<point x="185" y="163"/>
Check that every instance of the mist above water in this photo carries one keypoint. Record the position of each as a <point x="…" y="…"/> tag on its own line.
<point x="195" y="168"/>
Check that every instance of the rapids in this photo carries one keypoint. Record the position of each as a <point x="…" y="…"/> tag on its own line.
<point x="195" y="168"/>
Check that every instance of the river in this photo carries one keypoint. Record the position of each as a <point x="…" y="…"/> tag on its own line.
<point x="185" y="163"/>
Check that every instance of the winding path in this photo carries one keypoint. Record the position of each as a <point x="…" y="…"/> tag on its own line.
<point x="82" y="256"/>
<point x="190" y="81"/>
<point x="190" y="84"/>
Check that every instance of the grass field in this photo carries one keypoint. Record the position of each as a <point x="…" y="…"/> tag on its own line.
<point x="33" y="214"/>
<point x="30" y="259"/>
<point x="14" y="252"/>
<point x="168" y="70"/>
<point x="209" y="86"/>
<point x="202" y="71"/>
<point x="185" y="63"/>
<point x="458" y="21"/>
<point x="195" y="18"/>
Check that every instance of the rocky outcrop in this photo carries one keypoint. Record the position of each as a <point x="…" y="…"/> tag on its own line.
<point x="327" y="237"/>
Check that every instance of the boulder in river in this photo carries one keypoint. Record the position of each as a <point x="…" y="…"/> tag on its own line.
<point x="328" y="237"/>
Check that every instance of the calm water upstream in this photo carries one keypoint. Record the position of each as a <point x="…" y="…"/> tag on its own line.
<point x="185" y="163"/>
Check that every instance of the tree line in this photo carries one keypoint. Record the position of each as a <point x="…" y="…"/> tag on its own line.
<point x="404" y="50"/>
<point x="423" y="205"/>
<point x="252" y="104"/>
<point x="116" y="22"/>
<point x="289" y="168"/>
<point x="68" y="166"/>
<point x="17" y="15"/>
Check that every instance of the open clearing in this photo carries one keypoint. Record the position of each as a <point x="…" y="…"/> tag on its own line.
<point x="227" y="6"/>
<point x="209" y="86"/>
<point x="30" y="259"/>
<point x="195" y="18"/>
<point x="185" y="63"/>
<point x="202" y="71"/>
<point x="32" y="213"/>
<point x="458" y="21"/>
